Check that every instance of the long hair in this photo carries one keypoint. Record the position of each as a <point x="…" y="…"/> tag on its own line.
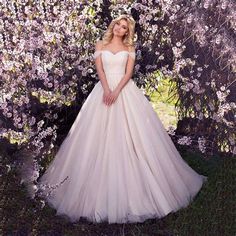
<point x="128" y="39"/>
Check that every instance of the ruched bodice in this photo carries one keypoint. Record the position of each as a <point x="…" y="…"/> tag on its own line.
<point x="114" y="64"/>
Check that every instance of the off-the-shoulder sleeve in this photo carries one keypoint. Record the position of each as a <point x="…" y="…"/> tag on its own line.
<point x="96" y="54"/>
<point x="132" y="55"/>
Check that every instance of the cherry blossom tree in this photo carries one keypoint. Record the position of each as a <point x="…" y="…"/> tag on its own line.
<point x="47" y="67"/>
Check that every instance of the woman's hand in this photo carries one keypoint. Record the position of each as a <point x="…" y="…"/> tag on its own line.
<point x="105" y="95"/>
<point x="113" y="96"/>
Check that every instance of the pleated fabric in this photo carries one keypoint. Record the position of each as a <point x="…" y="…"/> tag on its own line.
<point x="121" y="165"/>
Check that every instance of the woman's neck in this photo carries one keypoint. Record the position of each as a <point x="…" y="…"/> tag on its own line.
<point x="117" y="40"/>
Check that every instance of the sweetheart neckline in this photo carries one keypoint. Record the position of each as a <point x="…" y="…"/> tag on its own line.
<point x="104" y="50"/>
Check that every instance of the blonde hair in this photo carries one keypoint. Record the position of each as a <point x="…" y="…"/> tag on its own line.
<point x="128" y="39"/>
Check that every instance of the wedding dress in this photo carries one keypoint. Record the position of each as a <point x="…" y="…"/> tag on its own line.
<point x="118" y="162"/>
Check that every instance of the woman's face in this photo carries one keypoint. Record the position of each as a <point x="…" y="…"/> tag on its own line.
<point x="120" y="28"/>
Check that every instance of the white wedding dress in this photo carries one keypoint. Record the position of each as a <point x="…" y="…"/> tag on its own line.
<point x="119" y="162"/>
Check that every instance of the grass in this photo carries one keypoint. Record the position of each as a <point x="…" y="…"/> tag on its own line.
<point x="163" y="105"/>
<point x="166" y="113"/>
<point x="213" y="211"/>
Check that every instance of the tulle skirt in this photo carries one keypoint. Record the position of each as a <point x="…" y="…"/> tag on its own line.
<point x="119" y="163"/>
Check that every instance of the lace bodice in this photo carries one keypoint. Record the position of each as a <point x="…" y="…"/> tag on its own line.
<point x="114" y="64"/>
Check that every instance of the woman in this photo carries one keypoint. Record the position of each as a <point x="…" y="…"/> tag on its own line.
<point x="118" y="163"/>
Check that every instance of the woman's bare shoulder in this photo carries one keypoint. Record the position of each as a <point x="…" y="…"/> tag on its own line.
<point x="99" y="45"/>
<point x="131" y="48"/>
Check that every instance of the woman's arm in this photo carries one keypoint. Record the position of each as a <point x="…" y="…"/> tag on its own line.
<point x="99" y="67"/>
<point x="128" y="72"/>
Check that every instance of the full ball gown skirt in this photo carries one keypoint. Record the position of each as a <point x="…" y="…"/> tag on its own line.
<point x="120" y="163"/>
